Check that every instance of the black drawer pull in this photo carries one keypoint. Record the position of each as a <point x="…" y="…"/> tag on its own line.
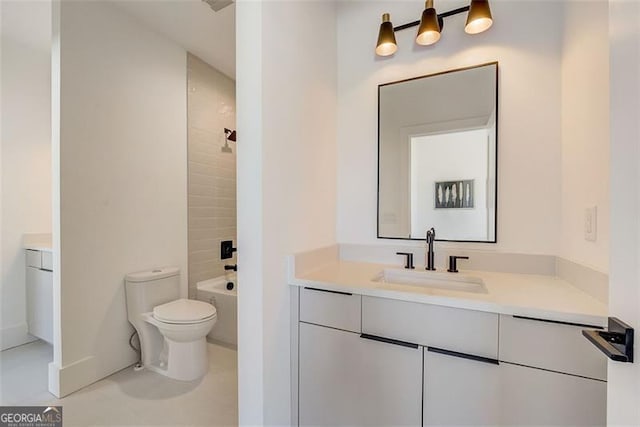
<point x="463" y="355"/>
<point x="558" y="322"/>
<point x="389" y="341"/>
<point x="326" y="290"/>
<point x="616" y="342"/>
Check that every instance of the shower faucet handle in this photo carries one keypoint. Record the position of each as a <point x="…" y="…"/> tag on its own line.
<point x="227" y="249"/>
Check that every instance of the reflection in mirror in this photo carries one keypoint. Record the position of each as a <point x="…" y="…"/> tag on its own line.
<point x="438" y="156"/>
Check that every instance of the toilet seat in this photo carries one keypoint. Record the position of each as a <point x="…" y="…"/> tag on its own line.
<point x="184" y="312"/>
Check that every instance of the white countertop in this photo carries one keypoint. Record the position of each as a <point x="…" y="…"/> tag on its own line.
<point x="538" y="296"/>
<point x="43" y="246"/>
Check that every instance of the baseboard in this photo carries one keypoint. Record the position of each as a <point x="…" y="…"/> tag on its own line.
<point x="67" y="379"/>
<point x="64" y="380"/>
<point x="16" y="335"/>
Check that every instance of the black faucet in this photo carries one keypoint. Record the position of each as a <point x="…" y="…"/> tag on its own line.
<point x="453" y="263"/>
<point x="233" y="267"/>
<point x="429" y="256"/>
<point x="409" y="264"/>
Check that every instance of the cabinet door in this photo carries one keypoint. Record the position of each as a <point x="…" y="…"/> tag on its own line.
<point x="460" y="391"/>
<point x="536" y="397"/>
<point x="40" y="303"/>
<point x="349" y="380"/>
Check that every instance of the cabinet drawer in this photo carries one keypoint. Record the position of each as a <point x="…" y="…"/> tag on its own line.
<point x="34" y="258"/>
<point x="553" y="346"/>
<point x="466" y="331"/>
<point x="328" y="308"/>
<point x="47" y="260"/>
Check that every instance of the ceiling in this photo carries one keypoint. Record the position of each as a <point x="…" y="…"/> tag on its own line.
<point x="192" y="24"/>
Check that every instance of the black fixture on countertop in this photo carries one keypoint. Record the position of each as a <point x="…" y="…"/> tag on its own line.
<point x="227" y="249"/>
<point x="409" y="262"/>
<point x="616" y="342"/>
<point x="453" y="263"/>
<point x="429" y="261"/>
<point x="233" y="267"/>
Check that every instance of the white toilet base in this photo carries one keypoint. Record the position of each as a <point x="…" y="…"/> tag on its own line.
<point x="193" y="353"/>
<point x="180" y="360"/>
<point x="186" y="361"/>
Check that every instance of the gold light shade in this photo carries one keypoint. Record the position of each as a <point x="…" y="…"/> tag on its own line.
<point x="479" y="18"/>
<point x="386" y="38"/>
<point x="429" y="30"/>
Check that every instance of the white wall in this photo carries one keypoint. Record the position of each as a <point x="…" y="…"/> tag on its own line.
<point x="436" y="158"/>
<point x="585" y="131"/>
<point x="623" y="386"/>
<point x="529" y="111"/>
<point x="122" y="179"/>
<point x="249" y="105"/>
<point x="286" y="99"/>
<point x="26" y="151"/>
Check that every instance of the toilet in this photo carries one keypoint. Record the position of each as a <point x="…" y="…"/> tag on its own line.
<point x="172" y="331"/>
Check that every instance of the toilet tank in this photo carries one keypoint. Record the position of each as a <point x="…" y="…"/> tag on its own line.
<point x="147" y="289"/>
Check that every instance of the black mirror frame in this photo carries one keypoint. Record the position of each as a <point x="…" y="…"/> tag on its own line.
<point x="495" y="235"/>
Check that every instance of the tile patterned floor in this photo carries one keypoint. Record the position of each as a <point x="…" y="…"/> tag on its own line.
<point x="126" y="398"/>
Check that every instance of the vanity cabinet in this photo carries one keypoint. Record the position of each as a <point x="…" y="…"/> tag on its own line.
<point x="346" y="379"/>
<point x="377" y="361"/>
<point x="39" y="284"/>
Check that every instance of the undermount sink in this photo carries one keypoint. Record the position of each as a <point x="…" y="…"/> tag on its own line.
<point x="432" y="279"/>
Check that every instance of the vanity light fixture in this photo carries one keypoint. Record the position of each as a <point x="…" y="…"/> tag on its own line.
<point x="429" y="30"/>
<point x="430" y="26"/>
<point x="386" y="37"/>
<point x="479" y="18"/>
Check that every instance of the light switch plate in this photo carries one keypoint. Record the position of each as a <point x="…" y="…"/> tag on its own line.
<point x="590" y="223"/>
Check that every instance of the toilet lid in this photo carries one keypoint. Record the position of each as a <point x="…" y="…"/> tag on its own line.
<point x="184" y="311"/>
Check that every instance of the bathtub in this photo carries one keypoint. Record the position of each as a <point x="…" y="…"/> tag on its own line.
<point x="214" y="291"/>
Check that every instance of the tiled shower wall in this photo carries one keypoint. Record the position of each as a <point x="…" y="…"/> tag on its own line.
<point x="212" y="173"/>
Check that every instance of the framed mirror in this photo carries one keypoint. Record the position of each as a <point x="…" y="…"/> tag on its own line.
<point x="438" y="156"/>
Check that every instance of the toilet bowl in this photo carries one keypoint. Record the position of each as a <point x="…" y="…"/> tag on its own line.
<point x="172" y="331"/>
